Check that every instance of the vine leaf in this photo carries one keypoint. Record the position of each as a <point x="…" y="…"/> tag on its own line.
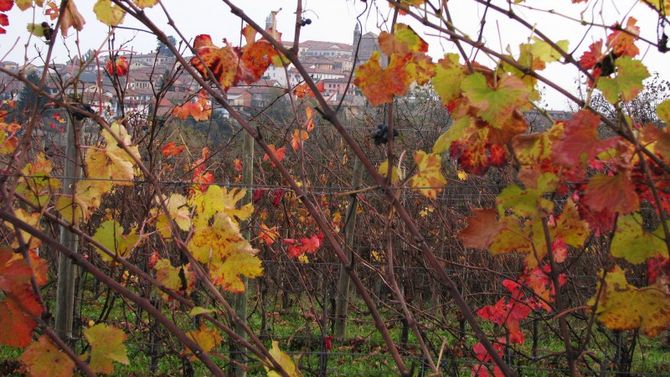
<point x="622" y="42"/>
<point x="628" y="81"/>
<point x="633" y="243"/>
<point x="71" y="18"/>
<point x="429" y="180"/>
<point x="108" y="13"/>
<point x="380" y="85"/>
<point x="483" y="228"/>
<point x="117" y="67"/>
<point x="622" y="306"/>
<point x="298" y="138"/>
<point x="228" y="274"/>
<point x="397" y="175"/>
<point x="615" y="193"/>
<point x="278" y="153"/>
<point x="204" y="337"/>
<point x="231" y="65"/>
<point x="495" y="104"/>
<point x="282" y="359"/>
<point x="19" y="306"/>
<point x="663" y="111"/>
<point x="111" y="235"/>
<point x="455" y="132"/>
<point x="43" y="359"/>
<point x="448" y="78"/>
<point x="171" y="149"/>
<point x="200" y="109"/>
<point x="106" y="347"/>
<point x="579" y="143"/>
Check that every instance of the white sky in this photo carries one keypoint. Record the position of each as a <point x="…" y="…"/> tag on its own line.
<point x="334" y="20"/>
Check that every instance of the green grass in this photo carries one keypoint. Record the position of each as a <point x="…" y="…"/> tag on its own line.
<point x="362" y="353"/>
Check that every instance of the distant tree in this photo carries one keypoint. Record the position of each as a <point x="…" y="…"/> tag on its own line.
<point x="28" y="98"/>
<point x="162" y="49"/>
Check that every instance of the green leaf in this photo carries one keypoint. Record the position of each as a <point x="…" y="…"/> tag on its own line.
<point x="495" y="105"/>
<point x="628" y="81"/>
<point x="200" y="310"/>
<point x="663" y="111"/>
<point x="633" y="243"/>
<point x="448" y="78"/>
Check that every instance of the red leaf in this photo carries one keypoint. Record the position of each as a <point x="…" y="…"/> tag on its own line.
<point x="579" y="143"/>
<point x="593" y="56"/>
<point x="277" y="196"/>
<point x="4" y="20"/>
<point x="612" y="193"/>
<point x="6" y="5"/>
<point x="118" y="67"/>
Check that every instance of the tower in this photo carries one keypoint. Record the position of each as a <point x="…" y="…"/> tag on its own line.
<point x="357" y="36"/>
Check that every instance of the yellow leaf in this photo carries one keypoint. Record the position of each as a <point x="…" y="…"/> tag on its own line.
<point x="43" y="359"/>
<point x="145" y="3"/>
<point x="213" y="243"/>
<point x="200" y="310"/>
<point x="429" y="180"/>
<point x="108" y="13"/>
<point x="228" y="274"/>
<point x="622" y="306"/>
<point x="167" y="275"/>
<point x="206" y="338"/>
<point x="25" y="4"/>
<point x="217" y="199"/>
<point x="396" y="174"/>
<point x="106" y="346"/>
<point x="179" y="212"/>
<point x="110" y="235"/>
<point x="282" y="359"/>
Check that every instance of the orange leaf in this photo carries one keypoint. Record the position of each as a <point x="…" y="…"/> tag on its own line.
<point x="303" y="90"/>
<point x="309" y="123"/>
<point x="171" y="149"/>
<point x="43" y="359"/>
<point x="299" y="136"/>
<point x="268" y="235"/>
<point x="200" y="110"/>
<point x="483" y="228"/>
<point x="380" y="85"/>
<point x="278" y="153"/>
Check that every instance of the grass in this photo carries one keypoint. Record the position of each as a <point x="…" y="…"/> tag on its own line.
<point x="362" y="353"/>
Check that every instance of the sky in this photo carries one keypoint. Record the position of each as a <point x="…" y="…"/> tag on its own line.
<point x="334" y="20"/>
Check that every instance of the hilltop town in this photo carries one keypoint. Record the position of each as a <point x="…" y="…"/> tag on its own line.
<point x="329" y="63"/>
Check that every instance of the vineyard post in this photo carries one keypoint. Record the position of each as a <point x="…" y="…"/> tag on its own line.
<point x="343" y="291"/>
<point x="238" y="365"/>
<point x="66" y="270"/>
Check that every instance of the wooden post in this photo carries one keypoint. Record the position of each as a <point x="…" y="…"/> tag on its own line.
<point x="66" y="270"/>
<point x="238" y="365"/>
<point x="342" y="294"/>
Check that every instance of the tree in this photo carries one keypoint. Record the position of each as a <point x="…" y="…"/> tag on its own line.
<point x="162" y="48"/>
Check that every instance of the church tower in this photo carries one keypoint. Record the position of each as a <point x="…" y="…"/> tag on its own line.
<point x="357" y="36"/>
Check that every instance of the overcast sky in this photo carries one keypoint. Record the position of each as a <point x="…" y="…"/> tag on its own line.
<point x="334" y="20"/>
